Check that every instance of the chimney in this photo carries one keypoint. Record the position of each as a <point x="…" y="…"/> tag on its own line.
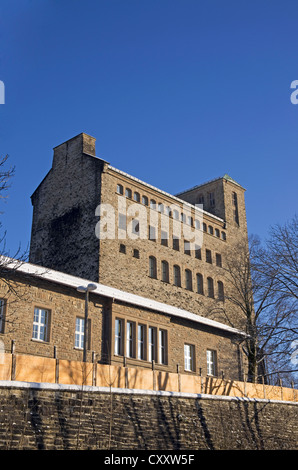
<point x="73" y="148"/>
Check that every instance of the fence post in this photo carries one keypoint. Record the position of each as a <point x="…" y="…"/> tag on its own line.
<point x="153" y="375"/>
<point x="56" y="365"/>
<point x="179" y="378"/>
<point x="13" y="360"/>
<point x="94" y="368"/>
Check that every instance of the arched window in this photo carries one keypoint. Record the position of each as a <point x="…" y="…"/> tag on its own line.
<point x="210" y="287"/>
<point x="188" y="279"/>
<point x="200" y="287"/>
<point x="152" y="267"/>
<point x="165" y="271"/>
<point x="220" y="291"/>
<point x="177" y="276"/>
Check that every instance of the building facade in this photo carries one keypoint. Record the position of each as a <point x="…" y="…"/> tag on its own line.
<point x="157" y="262"/>
<point x="94" y="221"/>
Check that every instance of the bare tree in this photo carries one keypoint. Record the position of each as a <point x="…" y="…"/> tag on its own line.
<point x="254" y="304"/>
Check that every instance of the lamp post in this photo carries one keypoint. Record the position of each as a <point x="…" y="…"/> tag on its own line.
<point x="86" y="290"/>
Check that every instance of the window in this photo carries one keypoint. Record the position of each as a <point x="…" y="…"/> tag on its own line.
<point x="186" y="247"/>
<point x="135" y="227"/>
<point x="188" y="279"/>
<point x="217" y="234"/>
<point x="177" y="276"/>
<point x="164" y="238"/>
<point x="189" y="357"/>
<point x="218" y="260"/>
<point x="79" y="333"/>
<point x="41" y="324"/>
<point x="211" y="362"/>
<point x="200" y="287"/>
<point x="168" y="211"/>
<point x="235" y="208"/>
<point x="136" y="254"/>
<point x="198" y="252"/>
<point x="152" y="344"/>
<point x="201" y="199"/>
<point x="160" y="208"/>
<point x="152" y="204"/>
<point x="210" y="229"/>
<point x="122" y="222"/>
<point x="175" y="214"/>
<point x="152" y="233"/>
<point x="175" y="243"/>
<point x="2" y="318"/>
<point x="210" y="287"/>
<point x="141" y="342"/>
<point x="197" y="224"/>
<point x="220" y="291"/>
<point x="189" y="220"/>
<point x="129" y="339"/>
<point x="162" y="346"/>
<point x="223" y="236"/>
<point x="204" y="227"/>
<point x="165" y="271"/>
<point x="118" y="337"/>
<point x="208" y="257"/>
<point x="122" y="248"/>
<point x="128" y="193"/>
<point x="145" y="200"/>
<point x="152" y="267"/>
<point x="136" y="197"/>
<point x="119" y="189"/>
<point x="211" y="199"/>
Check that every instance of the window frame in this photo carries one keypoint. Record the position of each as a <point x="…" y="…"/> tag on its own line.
<point x="45" y="337"/>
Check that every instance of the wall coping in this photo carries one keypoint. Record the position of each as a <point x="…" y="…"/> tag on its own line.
<point x="127" y="391"/>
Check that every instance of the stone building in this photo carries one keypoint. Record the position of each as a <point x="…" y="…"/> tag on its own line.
<point x="157" y="261"/>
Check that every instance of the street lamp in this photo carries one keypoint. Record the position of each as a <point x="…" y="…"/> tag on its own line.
<point x="86" y="291"/>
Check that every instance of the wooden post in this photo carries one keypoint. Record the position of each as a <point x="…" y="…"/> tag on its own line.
<point x="179" y="378"/>
<point x="264" y="387"/>
<point x="13" y="360"/>
<point x="153" y="375"/>
<point x="94" y="369"/>
<point x="281" y="389"/>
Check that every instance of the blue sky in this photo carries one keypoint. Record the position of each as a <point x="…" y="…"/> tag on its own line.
<point x="176" y="92"/>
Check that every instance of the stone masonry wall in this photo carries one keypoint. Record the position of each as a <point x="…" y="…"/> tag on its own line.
<point x="67" y="419"/>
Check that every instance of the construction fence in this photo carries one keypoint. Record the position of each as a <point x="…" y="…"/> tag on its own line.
<point x="27" y="368"/>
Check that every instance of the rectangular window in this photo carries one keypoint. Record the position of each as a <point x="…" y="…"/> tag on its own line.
<point x="79" y="333"/>
<point x="208" y="256"/>
<point x="211" y="362"/>
<point x="189" y="357"/>
<point x="152" y="233"/>
<point x="152" y="344"/>
<point x="162" y="346"/>
<point x="198" y="252"/>
<point x="122" y="222"/>
<point x="2" y="319"/>
<point x="141" y="342"/>
<point x="175" y="243"/>
<point x="164" y="238"/>
<point x="40" y="324"/>
<point x="119" y="189"/>
<point x="218" y="260"/>
<point x="186" y="247"/>
<point x="118" y="337"/>
<point x="129" y="339"/>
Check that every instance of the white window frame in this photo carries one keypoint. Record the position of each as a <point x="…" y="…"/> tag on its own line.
<point x="189" y="357"/>
<point x="162" y="346"/>
<point x="211" y="362"/>
<point x="40" y="326"/>
<point x="79" y="333"/>
<point x="129" y="339"/>
<point x="141" y="341"/>
<point x="152" y="343"/>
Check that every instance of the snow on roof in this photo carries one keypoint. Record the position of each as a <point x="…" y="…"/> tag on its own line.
<point x="113" y="293"/>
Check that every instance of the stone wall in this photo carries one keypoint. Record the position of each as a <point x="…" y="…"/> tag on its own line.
<point x="48" y="417"/>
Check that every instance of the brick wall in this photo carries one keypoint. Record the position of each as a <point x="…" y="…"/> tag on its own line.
<point x="65" y="418"/>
